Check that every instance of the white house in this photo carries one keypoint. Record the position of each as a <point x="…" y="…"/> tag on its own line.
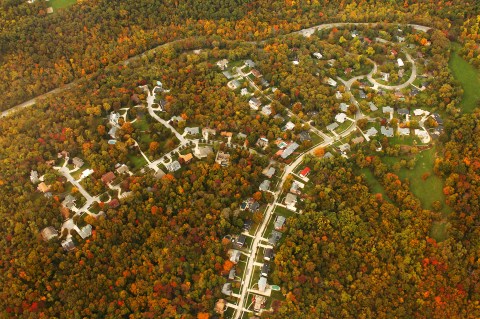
<point x="400" y="62"/>
<point x="254" y="103"/>
<point x="318" y="55"/>
<point x="340" y="117"/>
<point x="222" y="64"/>
<point x="331" y="82"/>
<point x="404" y="131"/>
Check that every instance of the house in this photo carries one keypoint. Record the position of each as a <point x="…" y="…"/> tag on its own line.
<point x="304" y="136"/>
<point x="247" y="225"/>
<point x="372" y="106"/>
<point x="173" y="166"/>
<point x="423" y="135"/>
<point x="358" y="140"/>
<point x="332" y="126"/>
<point x="262" y="284"/>
<point x="231" y="274"/>
<point x="222" y="158"/>
<point x="295" y="61"/>
<point x="42" y="187"/>
<point x="305" y="172"/>
<point x="367" y="40"/>
<point x="234" y="255"/>
<point x="419" y="112"/>
<point x="274" y="237"/>
<point x="78" y="162"/>
<point x="387" y="131"/>
<point x="295" y="188"/>
<point x="228" y="75"/>
<point x="400" y="73"/>
<point x="385" y="76"/>
<point x="222" y="64"/>
<point x="233" y="84"/>
<point x="404" y="131"/>
<point x="249" y="63"/>
<point x="399" y="95"/>
<point x="268" y="254"/>
<point x="34" y="177"/>
<point x="344" y="148"/>
<point x="113" y="131"/>
<point x="289" y="150"/>
<point x="85" y="231"/>
<point x="209" y="131"/>
<point x="400" y="63"/>
<point x="328" y="155"/>
<point x="114" y="203"/>
<point x="265" y="270"/>
<point x="49" y="233"/>
<point x="254" y="103"/>
<point x="122" y="169"/>
<point x="227" y="289"/>
<point x="68" y="244"/>
<point x="244" y="91"/>
<point x="387" y="109"/>
<point x="354" y="33"/>
<point x="220" y="306"/>
<point x="265" y="83"/>
<point x="69" y="201"/>
<point x="393" y="52"/>
<point x="241" y="240"/>
<point x="362" y="94"/>
<point x="256" y="73"/>
<point x="340" y="117"/>
<point x="187" y="158"/>
<point x="400" y="39"/>
<point x="371" y="132"/>
<point x="343" y="107"/>
<point x="279" y="222"/>
<point x="264" y="186"/>
<point x="86" y="173"/>
<point x="267" y="110"/>
<point x="437" y="118"/>
<point x="403" y="111"/>
<point x="107" y="178"/>
<point x="202" y="151"/>
<point x="159" y="174"/>
<point x="192" y="130"/>
<point x="290" y="199"/>
<point x="338" y="95"/>
<point x="288" y="127"/>
<point x="262" y="142"/>
<point x="259" y="302"/>
<point x="331" y="62"/>
<point x="270" y="172"/>
<point x="331" y="82"/>
<point x="253" y="207"/>
<point x="226" y="134"/>
<point x="347" y="71"/>
<point x="318" y="55"/>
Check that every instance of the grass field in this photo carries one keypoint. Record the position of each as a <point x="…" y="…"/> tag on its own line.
<point x="469" y="78"/>
<point x="59" y="4"/>
<point x="373" y="183"/>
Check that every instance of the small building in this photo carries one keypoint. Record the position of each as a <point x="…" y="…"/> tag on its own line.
<point x="343" y="107"/>
<point x="192" y="130"/>
<point x="387" y="131"/>
<point x="227" y="289"/>
<point x="290" y="199"/>
<point x="223" y="158"/>
<point x="268" y="254"/>
<point x="177" y="119"/>
<point x="267" y="110"/>
<point x="420" y="112"/>
<point x="262" y="142"/>
<point x="107" y="178"/>
<point x="265" y="270"/>
<point x="254" y="103"/>
<point x="235" y="255"/>
<point x="262" y="284"/>
<point x="264" y="186"/>
<point x="318" y="55"/>
<point x="42" y="187"/>
<point x="437" y="118"/>
<point x="241" y="240"/>
<point x="233" y="85"/>
<point x="249" y="63"/>
<point x="256" y="73"/>
<point x="49" y="233"/>
<point x="304" y="172"/>
<point x="400" y="63"/>
<point x="78" y="162"/>
<point x="270" y="172"/>
<point x="289" y="150"/>
<point x="174" y="166"/>
<point x="159" y="174"/>
<point x="340" y="117"/>
<point x="68" y="244"/>
<point x="279" y="222"/>
<point x="331" y="62"/>
<point x="372" y="106"/>
<point x="187" y="158"/>
<point x="332" y="126"/>
<point x="113" y="132"/>
<point x="371" y="132"/>
<point x="403" y="131"/>
<point x="222" y="64"/>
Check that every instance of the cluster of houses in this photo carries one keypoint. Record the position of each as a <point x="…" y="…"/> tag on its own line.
<point x="285" y="149"/>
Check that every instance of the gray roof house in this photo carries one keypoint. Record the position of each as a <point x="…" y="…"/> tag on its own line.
<point x="270" y="172"/>
<point x="332" y="126"/>
<point x="387" y="131"/>
<point x="371" y="132"/>
<point x="289" y="150"/>
<point x="264" y="186"/>
<point x="403" y="111"/>
<point x="279" y="222"/>
<point x="78" y="162"/>
<point x="372" y="106"/>
<point x="192" y="130"/>
<point x="268" y="254"/>
<point x="173" y="166"/>
<point x="235" y="256"/>
<point x="249" y="63"/>
<point x="290" y="199"/>
<point x="274" y="237"/>
<point x="227" y="289"/>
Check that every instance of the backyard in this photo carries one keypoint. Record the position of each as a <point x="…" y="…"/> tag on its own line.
<point x="59" y="4"/>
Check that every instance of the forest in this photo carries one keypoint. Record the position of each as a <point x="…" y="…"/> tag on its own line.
<point x="159" y="254"/>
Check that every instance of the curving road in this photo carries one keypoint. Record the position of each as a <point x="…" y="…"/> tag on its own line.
<point x="306" y="32"/>
<point x="410" y="80"/>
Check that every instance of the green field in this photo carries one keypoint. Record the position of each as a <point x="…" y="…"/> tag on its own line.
<point x="59" y="4"/>
<point x="469" y="78"/>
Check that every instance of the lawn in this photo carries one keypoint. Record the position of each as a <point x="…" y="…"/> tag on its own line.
<point x="469" y="78"/>
<point x="59" y="4"/>
<point x="439" y="231"/>
<point x="373" y="183"/>
<point x="137" y="161"/>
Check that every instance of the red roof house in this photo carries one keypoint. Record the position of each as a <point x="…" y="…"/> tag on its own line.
<point x="108" y="177"/>
<point x="305" y="172"/>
